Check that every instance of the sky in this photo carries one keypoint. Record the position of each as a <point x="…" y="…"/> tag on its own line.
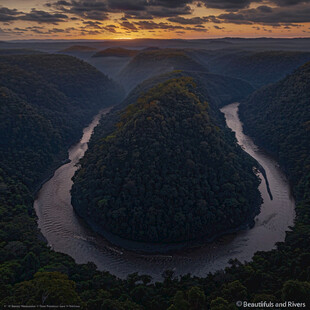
<point x="158" y="19"/>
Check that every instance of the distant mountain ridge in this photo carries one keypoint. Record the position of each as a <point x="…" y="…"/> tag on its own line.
<point x="257" y="68"/>
<point x="154" y="62"/>
<point x="22" y="51"/>
<point x="79" y="48"/>
<point x="116" y="52"/>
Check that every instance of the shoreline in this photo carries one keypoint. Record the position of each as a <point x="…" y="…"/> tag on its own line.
<point x="122" y="257"/>
<point x="140" y="247"/>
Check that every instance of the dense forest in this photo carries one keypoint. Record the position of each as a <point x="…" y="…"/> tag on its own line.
<point x="45" y="101"/>
<point x="31" y="273"/>
<point x="278" y="117"/>
<point x="170" y="169"/>
<point x="257" y="68"/>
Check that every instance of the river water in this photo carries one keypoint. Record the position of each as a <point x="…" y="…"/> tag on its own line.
<point x="67" y="233"/>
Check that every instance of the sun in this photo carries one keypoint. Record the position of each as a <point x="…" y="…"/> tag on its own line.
<point x="125" y="38"/>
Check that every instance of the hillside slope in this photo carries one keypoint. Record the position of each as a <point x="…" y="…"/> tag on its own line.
<point x="218" y="88"/>
<point x="257" y="68"/>
<point x="46" y="100"/>
<point x="170" y="171"/>
<point x="278" y="116"/>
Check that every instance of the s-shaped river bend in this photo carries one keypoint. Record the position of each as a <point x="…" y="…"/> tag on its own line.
<point x="67" y="233"/>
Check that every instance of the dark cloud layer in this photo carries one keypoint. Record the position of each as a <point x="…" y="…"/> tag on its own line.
<point x="143" y="14"/>
<point x="95" y="10"/>
<point x="188" y="21"/>
<point x="268" y="15"/>
<point x="8" y="15"/>
<point x="228" y="4"/>
<point x="141" y="9"/>
<point x="290" y="2"/>
<point x="44" y="17"/>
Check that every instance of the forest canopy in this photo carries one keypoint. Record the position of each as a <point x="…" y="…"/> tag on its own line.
<point x="45" y="101"/>
<point x="169" y="172"/>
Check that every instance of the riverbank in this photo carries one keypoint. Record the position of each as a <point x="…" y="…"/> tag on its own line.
<point x="163" y="248"/>
<point x="67" y="233"/>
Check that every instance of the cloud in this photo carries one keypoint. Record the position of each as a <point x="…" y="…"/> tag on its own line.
<point x="127" y="5"/>
<point x="43" y="17"/>
<point x="3" y="32"/>
<point x="92" y="9"/>
<point x="93" y="24"/>
<point x="37" y="30"/>
<point x="188" y="21"/>
<point x="176" y="15"/>
<point x="289" y="2"/>
<point x="140" y="9"/>
<point x="147" y="25"/>
<point x="111" y="28"/>
<point x="169" y="12"/>
<point x="137" y="15"/>
<point x="229" y="5"/>
<point x="34" y="15"/>
<point x="129" y="26"/>
<point x="7" y="15"/>
<point x="170" y="3"/>
<point x="266" y="15"/>
<point x="150" y="25"/>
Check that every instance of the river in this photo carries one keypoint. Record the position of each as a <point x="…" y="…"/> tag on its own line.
<point x="67" y="233"/>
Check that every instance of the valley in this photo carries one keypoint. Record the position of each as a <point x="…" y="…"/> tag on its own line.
<point x="192" y="178"/>
<point x="67" y="233"/>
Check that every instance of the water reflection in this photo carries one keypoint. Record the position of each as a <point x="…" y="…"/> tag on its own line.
<point x="67" y="233"/>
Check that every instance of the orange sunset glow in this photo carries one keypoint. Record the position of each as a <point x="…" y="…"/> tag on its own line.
<point x="160" y="19"/>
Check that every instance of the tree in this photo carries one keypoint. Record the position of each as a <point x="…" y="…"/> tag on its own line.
<point x="46" y="288"/>
<point x="294" y="290"/>
<point x="179" y="301"/>
<point x="196" y="298"/>
<point x="219" y="304"/>
<point x="234" y="291"/>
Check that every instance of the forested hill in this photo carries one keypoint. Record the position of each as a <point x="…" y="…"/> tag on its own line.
<point x="169" y="172"/>
<point x="78" y="48"/>
<point x="219" y="89"/>
<point x="257" y="68"/>
<point x="155" y="62"/>
<point x="278" y="116"/>
<point x="46" y="100"/>
<point x="82" y="83"/>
